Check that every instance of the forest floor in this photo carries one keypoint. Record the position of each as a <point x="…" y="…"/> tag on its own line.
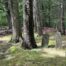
<point x="16" y="56"/>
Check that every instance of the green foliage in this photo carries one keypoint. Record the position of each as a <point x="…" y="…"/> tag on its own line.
<point x="3" y="19"/>
<point x="13" y="49"/>
<point x="21" y="11"/>
<point x="50" y="10"/>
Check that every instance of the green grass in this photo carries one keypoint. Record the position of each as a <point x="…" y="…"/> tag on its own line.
<point x="52" y="42"/>
<point x="35" y="57"/>
<point x="31" y="58"/>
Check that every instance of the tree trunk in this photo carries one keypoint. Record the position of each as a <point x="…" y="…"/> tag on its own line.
<point x="8" y="15"/>
<point x="49" y="9"/>
<point x="62" y="18"/>
<point x="16" y="27"/>
<point x="35" y="14"/>
<point x="28" y="37"/>
<point x="38" y="16"/>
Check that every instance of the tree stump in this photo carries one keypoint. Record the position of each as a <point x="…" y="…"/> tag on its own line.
<point x="58" y="39"/>
<point x="45" y="40"/>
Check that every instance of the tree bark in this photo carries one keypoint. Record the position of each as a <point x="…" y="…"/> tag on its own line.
<point x="16" y="27"/>
<point x="37" y="16"/>
<point x="28" y="37"/>
<point x="8" y="14"/>
<point x="62" y="18"/>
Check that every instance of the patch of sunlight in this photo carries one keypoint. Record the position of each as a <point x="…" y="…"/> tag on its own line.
<point x="52" y="42"/>
<point x="48" y="55"/>
<point x="52" y="52"/>
<point x="39" y="44"/>
<point x="35" y="34"/>
<point x="5" y="38"/>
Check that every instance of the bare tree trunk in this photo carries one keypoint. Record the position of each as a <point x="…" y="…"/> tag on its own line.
<point x="35" y="14"/>
<point x="62" y="18"/>
<point x="49" y="8"/>
<point x="28" y="37"/>
<point x="8" y="14"/>
<point x="16" y="27"/>
<point x="38" y="16"/>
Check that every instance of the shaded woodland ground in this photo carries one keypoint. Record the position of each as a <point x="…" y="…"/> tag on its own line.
<point x="13" y="55"/>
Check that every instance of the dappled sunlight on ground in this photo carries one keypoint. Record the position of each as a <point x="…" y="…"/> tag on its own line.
<point x="16" y="56"/>
<point x="52" y="52"/>
<point x="52" y="42"/>
<point x="5" y="38"/>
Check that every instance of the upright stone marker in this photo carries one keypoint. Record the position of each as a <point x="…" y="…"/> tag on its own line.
<point x="58" y="39"/>
<point x="45" y="40"/>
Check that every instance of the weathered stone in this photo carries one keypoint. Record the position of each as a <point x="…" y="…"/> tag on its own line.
<point x="58" y="39"/>
<point x="45" y="40"/>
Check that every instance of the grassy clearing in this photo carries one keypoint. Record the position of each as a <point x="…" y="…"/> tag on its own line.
<point x="35" y="57"/>
<point x="31" y="58"/>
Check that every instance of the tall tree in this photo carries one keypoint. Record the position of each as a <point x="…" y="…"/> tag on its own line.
<point x="8" y="15"/>
<point x="37" y="16"/>
<point x="28" y="37"/>
<point x="62" y="17"/>
<point x="16" y="27"/>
